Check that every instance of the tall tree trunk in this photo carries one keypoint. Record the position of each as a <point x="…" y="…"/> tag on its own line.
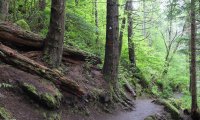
<point x="42" y="5"/>
<point x="144" y="19"/>
<point x="111" y="61"/>
<point x="54" y="41"/>
<point x="96" y="21"/>
<point x="4" y="6"/>
<point x="193" y="61"/>
<point x="121" y="34"/>
<point x="131" y="47"/>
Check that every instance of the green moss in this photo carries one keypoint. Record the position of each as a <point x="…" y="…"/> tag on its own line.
<point x="30" y="88"/>
<point x="50" y="100"/>
<point x="23" y="24"/>
<point x="4" y="114"/>
<point x="170" y="108"/>
<point x="150" y="118"/>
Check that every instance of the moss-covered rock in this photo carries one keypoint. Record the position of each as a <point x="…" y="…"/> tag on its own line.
<point x="23" y="24"/>
<point x="4" y="114"/>
<point x="50" y="99"/>
<point x="170" y="108"/>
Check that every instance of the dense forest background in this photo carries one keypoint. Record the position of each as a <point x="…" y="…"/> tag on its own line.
<point x="160" y="38"/>
<point x="158" y="47"/>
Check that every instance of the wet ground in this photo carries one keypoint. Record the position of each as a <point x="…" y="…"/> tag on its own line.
<point x="143" y="109"/>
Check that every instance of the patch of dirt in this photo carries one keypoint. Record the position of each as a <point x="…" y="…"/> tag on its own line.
<point x="14" y="76"/>
<point x="21" y="107"/>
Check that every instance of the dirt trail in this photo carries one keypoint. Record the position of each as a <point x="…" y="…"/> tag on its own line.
<point x="143" y="108"/>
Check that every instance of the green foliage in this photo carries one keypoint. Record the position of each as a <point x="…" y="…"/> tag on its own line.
<point x="23" y="24"/>
<point x="150" y="59"/>
<point x="5" y="85"/>
<point x="4" y="114"/>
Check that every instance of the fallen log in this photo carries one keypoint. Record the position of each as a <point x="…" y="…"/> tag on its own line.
<point x="19" y="61"/>
<point x="14" y="34"/>
<point x="129" y="89"/>
<point x="10" y="33"/>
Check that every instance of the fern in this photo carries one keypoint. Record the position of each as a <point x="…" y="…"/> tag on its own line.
<point x="5" y="85"/>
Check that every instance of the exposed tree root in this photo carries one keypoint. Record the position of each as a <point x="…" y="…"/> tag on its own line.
<point x="119" y="96"/>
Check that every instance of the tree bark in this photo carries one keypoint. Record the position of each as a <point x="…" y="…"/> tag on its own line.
<point x="96" y="21"/>
<point x="110" y="68"/>
<point x="131" y="47"/>
<point x="19" y="61"/>
<point x="54" y="41"/>
<point x="41" y="18"/>
<point x="121" y="34"/>
<point x="4" y="6"/>
<point x="12" y="33"/>
<point x="193" y="61"/>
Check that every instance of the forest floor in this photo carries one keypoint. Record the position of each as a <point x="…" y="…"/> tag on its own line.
<point x="22" y="107"/>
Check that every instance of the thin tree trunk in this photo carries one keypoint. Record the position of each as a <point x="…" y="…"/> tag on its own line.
<point x="96" y="21"/>
<point x="131" y="47"/>
<point x="144" y="19"/>
<point x="193" y="61"/>
<point x="55" y="37"/>
<point x="121" y="34"/>
<point x="4" y="6"/>
<point x="42" y="6"/>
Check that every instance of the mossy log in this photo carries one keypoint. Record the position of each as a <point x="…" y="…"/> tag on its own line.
<point x="12" y="34"/>
<point x="129" y="89"/>
<point x="170" y="108"/>
<point x="19" y="61"/>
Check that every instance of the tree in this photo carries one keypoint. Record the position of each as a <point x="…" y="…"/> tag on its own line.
<point x="111" y="61"/>
<point x="53" y="48"/>
<point x="193" y="61"/>
<point x="4" y="5"/>
<point x="42" y="5"/>
<point x="96" y="20"/>
<point x="123" y="25"/>
<point x="131" y="49"/>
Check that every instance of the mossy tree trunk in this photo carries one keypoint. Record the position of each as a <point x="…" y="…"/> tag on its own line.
<point x="53" y="49"/>
<point x="131" y="47"/>
<point x="110" y="68"/>
<point x="193" y="61"/>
